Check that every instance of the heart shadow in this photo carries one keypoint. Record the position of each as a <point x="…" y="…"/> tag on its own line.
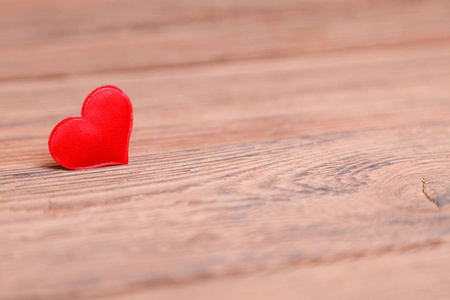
<point x="54" y="166"/>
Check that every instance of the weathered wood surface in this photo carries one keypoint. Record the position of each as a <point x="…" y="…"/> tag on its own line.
<point x="281" y="150"/>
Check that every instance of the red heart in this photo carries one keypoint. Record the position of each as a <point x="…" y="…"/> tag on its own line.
<point x="99" y="137"/>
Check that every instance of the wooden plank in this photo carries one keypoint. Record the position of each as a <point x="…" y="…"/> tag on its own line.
<point x="235" y="169"/>
<point x="409" y="273"/>
<point x="45" y="40"/>
<point x="279" y="150"/>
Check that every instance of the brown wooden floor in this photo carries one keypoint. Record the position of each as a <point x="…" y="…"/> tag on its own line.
<point x="282" y="149"/>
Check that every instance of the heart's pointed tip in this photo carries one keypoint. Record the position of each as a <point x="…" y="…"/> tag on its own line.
<point x="118" y="163"/>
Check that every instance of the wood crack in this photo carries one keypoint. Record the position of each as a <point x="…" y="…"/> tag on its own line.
<point x="424" y="191"/>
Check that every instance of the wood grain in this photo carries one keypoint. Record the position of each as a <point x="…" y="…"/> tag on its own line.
<point x="49" y="39"/>
<point x="311" y="160"/>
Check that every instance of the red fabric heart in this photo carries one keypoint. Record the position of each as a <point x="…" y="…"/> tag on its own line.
<point x="99" y="137"/>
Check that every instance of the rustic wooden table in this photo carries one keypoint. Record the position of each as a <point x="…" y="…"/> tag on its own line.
<point x="287" y="149"/>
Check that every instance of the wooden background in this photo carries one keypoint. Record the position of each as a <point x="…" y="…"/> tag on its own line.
<point x="288" y="149"/>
